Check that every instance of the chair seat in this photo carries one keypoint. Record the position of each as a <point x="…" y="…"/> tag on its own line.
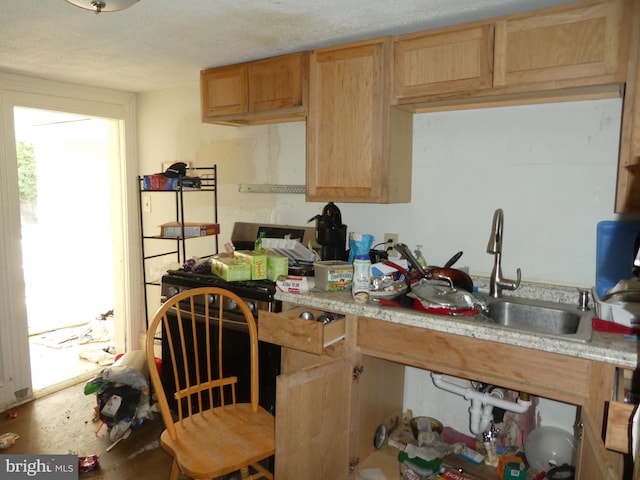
<point x="220" y="441"/>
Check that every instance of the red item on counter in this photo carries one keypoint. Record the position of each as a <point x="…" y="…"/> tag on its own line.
<point x="417" y="305"/>
<point x="600" y="325"/>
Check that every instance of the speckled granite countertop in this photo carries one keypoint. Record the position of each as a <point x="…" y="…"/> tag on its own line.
<point x="604" y="347"/>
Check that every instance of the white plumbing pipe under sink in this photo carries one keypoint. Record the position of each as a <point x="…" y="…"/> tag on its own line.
<point x="482" y="404"/>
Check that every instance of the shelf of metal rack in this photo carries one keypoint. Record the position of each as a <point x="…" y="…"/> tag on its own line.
<point x="208" y="185"/>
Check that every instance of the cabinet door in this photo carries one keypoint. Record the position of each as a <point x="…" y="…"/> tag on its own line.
<point x="224" y="90"/>
<point x="277" y="82"/>
<point x="346" y="119"/>
<point x="451" y="61"/>
<point x="578" y="42"/>
<point x="358" y="148"/>
<point x="312" y="422"/>
<point x="592" y="454"/>
<point x="628" y="192"/>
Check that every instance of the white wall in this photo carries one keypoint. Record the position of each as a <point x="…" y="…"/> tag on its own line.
<point x="552" y="168"/>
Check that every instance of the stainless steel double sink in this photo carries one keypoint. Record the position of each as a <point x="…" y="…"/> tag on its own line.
<point x="559" y="320"/>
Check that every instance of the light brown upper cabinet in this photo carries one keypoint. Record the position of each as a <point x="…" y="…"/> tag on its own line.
<point x="224" y="91"/>
<point x="573" y="50"/>
<point x="453" y="60"/>
<point x="577" y="45"/>
<point x="628" y="193"/>
<point x="358" y="147"/>
<point x="264" y="91"/>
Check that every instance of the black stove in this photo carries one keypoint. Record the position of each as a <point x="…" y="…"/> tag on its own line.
<point x="246" y="288"/>
<point x="257" y="294"/>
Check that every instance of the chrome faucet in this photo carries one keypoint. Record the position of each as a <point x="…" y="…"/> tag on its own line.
<point x="497" y="283"/>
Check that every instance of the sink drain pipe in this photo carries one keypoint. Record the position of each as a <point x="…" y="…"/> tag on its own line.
<point x="482" y="404"/>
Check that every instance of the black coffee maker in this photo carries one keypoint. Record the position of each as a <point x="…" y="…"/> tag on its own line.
<point x="331" y="234"/>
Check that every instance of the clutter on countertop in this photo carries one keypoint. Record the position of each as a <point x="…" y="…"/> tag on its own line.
<point x="359" y="247"/>
<point x="331" y="233"/>
<point x="620" y="304"/>
<point x="616" y="293"/>
<point x="600" y="325"/>
<point x="333" y="275"/>
<point x="295" y="284"/>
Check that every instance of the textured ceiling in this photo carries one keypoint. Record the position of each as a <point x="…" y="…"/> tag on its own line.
<point x="158" y="44"/>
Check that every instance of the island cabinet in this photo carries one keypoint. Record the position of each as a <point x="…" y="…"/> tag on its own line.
<point x="337" y="385"/>
<point x="358" y="147"/>
<point x="263" y="91"/>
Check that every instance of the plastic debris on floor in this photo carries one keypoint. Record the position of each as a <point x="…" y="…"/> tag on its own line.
<point x="122" y="394"/>
<point x="96" y="339"/>
<point x="99" y="332"/>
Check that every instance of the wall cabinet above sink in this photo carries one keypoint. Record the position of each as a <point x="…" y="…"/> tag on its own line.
<point x="569" y="47"/>
<point x="264" y="91"/>
<point x="358" y="147"/>
<point x="448" y="61"/>
<point x="577" y="45"/>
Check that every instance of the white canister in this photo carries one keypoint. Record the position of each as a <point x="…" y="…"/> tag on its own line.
<point x="361" y="278"/>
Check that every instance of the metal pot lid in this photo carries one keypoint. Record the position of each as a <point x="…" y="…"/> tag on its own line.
<point x="442" y="295"/>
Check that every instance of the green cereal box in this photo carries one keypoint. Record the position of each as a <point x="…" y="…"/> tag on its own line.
<point x="277" y="265"/>
<point x="257" y="260"/>
<point x="231" y="269"/>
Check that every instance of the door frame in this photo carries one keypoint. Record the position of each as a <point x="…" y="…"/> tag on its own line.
<point x="16" y="90"/>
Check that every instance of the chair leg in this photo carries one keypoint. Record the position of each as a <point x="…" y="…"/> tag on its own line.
<point x="261" y="472"/>
<point x="175" y="471"/>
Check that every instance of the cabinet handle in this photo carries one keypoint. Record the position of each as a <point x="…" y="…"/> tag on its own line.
<point x="578" y="429"/>
<point x="357" y="371"/>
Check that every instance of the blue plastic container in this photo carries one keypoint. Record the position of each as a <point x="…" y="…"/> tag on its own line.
<point x="614" y="252"/>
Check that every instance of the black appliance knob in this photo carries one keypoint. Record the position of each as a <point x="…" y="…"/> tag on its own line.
<point x="172" y="291"/>
<point x="230" y="304"/>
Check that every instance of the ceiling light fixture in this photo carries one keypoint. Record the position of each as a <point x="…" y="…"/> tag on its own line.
<point x="103" y="5"/>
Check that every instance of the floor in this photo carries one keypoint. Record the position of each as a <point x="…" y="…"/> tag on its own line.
<point x="62" y="422"/>
<point x="56" y="362"/>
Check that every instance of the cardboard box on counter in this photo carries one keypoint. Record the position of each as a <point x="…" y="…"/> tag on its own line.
<point x="295" y="284"/>
<point x="257" y="260"/>
<point x="174" y="229"/>
<point x="333" y="275"/>
<point x="277" y="266"/>
<point x="231" y="269"/>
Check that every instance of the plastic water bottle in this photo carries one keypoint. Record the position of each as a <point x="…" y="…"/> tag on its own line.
<point x="257" y="246"/>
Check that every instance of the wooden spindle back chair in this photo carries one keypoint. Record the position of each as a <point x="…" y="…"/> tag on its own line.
<point x="211" y="432"/>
